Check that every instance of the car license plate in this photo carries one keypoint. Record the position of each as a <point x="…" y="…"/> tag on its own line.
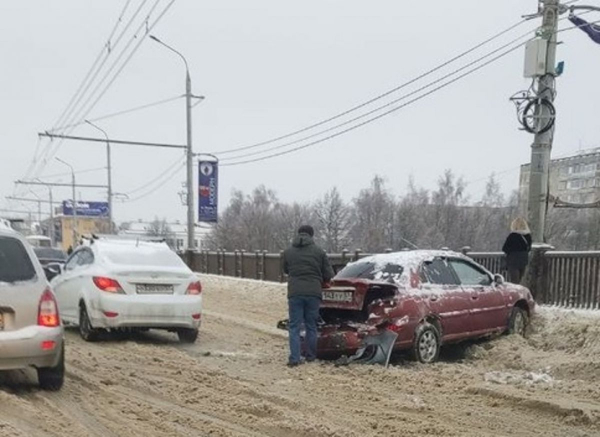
<point x="153" y="289"/>
<point x="337" y="296"/>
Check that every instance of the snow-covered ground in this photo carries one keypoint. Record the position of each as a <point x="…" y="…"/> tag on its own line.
<point x="234" y="382"/>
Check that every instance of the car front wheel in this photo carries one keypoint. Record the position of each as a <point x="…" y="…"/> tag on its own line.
<point x="517" y="322"/>
<point x="187" y="335"/>
<point x="52" y="378"/>
<point x="427" y="344"/>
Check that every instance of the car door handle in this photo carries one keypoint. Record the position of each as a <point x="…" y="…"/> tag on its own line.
<point x="474" y="297"/>
<point x="433" y="298"/>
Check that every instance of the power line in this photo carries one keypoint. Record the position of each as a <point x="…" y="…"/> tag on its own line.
<point x="91" y="76"/>
<point x="152" y="181"/>
<point x="74" y="114"/>
<point x="89" y="170"/>
<point x="82" y="84"/>
<point x="372" y="119"/>
<point x="115" y="114"/>
<point x="404" y="97"/>
<point x="171" y="176"/>
<point x="379" y="97"/>
<point x="52" y="150"/>
<point x="393" y="109"/>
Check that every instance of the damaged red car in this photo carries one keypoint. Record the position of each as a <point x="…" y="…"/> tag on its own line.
<point x="427" y="298"/>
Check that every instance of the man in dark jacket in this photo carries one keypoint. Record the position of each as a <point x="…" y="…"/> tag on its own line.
<point x="308" y="269"/>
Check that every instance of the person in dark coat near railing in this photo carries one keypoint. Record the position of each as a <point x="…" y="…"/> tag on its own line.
<point x="517" y="247"/>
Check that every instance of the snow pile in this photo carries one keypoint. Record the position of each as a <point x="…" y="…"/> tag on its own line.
<point x="526" y="378"/>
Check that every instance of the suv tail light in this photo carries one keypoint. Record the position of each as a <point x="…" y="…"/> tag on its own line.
<point x="194" y="288"/>
<point x="108" y="285"/>
<point x="48" y="310"/>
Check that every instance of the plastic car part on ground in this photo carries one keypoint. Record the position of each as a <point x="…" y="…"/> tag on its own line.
<point x="376" y="349"/>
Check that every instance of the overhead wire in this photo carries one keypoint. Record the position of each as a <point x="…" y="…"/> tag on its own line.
<point x="372" y="119"/>
<point x="115" y="114"/>
<point x="404" y="97"/>
<point x="82" y="84"/>
<point x="158" y="187"/>
<point x="51" y="150"/>
<point x="380" y="96"/>
<point x="152" y="181"/>
<point x="85" y="108"/>
<point x="387" y="112"/>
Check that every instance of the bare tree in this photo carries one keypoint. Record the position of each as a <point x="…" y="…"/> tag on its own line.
<point x="332" y="221"/>
<point x="160" y="228"/>
<point x="373" y="217"/>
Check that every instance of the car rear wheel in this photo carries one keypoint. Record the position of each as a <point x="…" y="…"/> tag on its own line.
<point x="426" y="348"/>
<point x="52" y="378"/>
<point x="518" y="321"/>
<point x="86" y="331"/>
<point x="187" y="335"/>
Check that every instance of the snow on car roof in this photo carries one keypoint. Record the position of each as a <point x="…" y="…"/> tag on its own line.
<point x="409" y="258"/>
<point x="138" y="254"/>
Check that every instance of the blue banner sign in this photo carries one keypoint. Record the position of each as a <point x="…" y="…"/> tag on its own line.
<point x="86" y="209"/>
<point x="208" y="191"/>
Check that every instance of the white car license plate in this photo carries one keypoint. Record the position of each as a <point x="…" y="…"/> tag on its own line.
<point x="337" y="296"/>
<point x="153" y="289"/>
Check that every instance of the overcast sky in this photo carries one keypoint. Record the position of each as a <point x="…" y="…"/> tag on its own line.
<point x="271" y="67"/>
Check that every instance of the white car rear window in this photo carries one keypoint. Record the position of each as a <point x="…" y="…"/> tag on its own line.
<point x="15" y="264"/>
<point x="142" y="256"/>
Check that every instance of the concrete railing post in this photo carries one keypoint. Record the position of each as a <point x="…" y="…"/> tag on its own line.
<point x="537" y="275"/>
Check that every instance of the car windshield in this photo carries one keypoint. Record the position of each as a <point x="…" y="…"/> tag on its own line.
<point x="142" y="256"/>
<point x="369" y="270"/>
<point x="15" y="265"/>
<point x="49" y="253"/>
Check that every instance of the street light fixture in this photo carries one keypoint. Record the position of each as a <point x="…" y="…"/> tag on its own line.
<point x="189" y="153"/>
<point x="74" y="201"/>
<point x="109" y="171"/>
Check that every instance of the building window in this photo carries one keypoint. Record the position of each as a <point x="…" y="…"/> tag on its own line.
<point x="179" y="243"/>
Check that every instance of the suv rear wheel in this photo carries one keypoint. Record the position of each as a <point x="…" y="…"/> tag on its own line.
<point x="52" y="378"/>
<point x="85" y="326"/>
<point x="187" y="335"/>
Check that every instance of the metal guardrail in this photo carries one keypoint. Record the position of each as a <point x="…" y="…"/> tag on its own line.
<point x="562" y="278"/>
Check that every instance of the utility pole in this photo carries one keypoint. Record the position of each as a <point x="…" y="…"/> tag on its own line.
<point x="73" y="203"/>
<point x="109" y="177"/>
<point x="191" y="219"/>
<point x="542" y="145"/>
<point x="52" y="238"/>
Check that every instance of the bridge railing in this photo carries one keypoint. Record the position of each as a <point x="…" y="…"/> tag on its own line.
<point x="563" y="278"/>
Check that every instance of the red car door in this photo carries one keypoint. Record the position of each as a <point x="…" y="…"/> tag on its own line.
<point x="446" y="299"/>
<point x="488" y="312"/>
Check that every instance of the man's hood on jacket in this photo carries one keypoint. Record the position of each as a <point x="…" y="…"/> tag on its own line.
<point x="302" y="240"/>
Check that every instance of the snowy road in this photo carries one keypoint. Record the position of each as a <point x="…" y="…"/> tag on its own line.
<point x="233" y="382"/>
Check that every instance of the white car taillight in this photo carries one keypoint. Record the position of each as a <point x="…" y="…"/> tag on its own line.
<point x="108" y="284"/>
<point x="194" y="288"/>
<point x="48" y="310"/>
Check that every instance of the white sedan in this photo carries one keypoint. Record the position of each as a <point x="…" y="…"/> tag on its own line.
<point x="115" y="285"/>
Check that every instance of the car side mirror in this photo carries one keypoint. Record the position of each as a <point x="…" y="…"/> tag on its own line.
<point x="498" y="279"/>
<point x="52" y="271"/>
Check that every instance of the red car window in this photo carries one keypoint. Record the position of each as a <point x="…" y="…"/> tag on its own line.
<point x="439" y="272"/>
<point x="469" y="274"/>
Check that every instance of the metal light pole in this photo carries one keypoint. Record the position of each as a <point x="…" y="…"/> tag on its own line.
<point x="191" y="221"/>
<point x="109" y="170"/>
<point x="74" y="202"/>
